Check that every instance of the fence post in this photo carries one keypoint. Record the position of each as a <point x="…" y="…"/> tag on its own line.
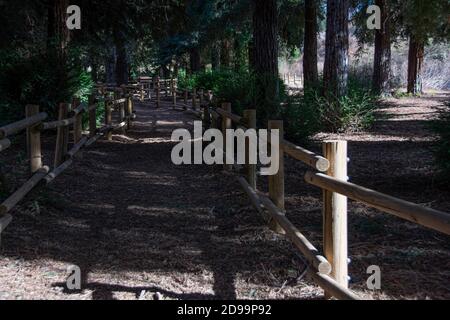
<point x="226" y="124"/>
<point x="335" y="213"/>
<point x="34" y="140"/>
<point x="118" y="95"/>
<point x="142" y="92"/>
<point x="78" y="124"/>
<point x="108" y="118"/>
<point x="62" y="137"/>
<point x="250" y="118"/>
<point x="92" y="116"/>
<point x="174" y="95"/>
<point x="166" y="88"/>
<point x="276" y="182"/>
<point x="158" y="92"/>
<point x="200" y="93"/>
<point x="129" y="110"/>
<point x="194" y="98"/>
<point x="206" y="117"/>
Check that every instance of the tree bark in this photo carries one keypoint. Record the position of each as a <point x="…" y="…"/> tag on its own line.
<point x="225" y="53"/>
<point x="195" y="60"/>
<point x="265" y="57"/>
<point x="415" y="63"/>
<point x="265" y="37"/>
<point x="310" y="70"/>
<point x="110" y="64"/>
<point x="215" y="56"/>
<point x="382" y="58"/>
<point x="335" y="74"/>
<point x="122" y="67"/>
<point x="58" y="35"/>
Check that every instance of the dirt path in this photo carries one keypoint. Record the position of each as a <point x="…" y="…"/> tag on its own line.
<point x="140" y="227"/>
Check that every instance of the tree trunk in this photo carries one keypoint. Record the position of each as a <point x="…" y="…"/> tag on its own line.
<point x="335" y="74"/>
<point x="239" y="54"/>
<point x="415" y="63"/>
<point x="382" y="59"/>
<point x="225" y="53"/>
<point x="122" y="67"/>
<point x="195" y="60"/>
<point x="265" y="61"/>
<point x="310" y="71"/>
<point x="110" y="64"/>
<point x="265" y="37"/>
<point x="215" y="56"/>
<point x="58" y="35"/>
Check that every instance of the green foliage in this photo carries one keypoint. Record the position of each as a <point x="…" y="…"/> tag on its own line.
<point x="352" y="113"/>
<point x="311" y="112"/>
<point x="442" y="151"/>
<point x="36" y="80"/>
<point x="301" y="117"/>
<point x="227" y="85"/>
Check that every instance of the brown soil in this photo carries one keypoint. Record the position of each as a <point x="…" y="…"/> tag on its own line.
<point x="140" y="227"/>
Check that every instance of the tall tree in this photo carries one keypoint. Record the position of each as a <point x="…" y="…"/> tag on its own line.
<point x="195" y="60"/>
<point x="382" y="58"/>
<point x="422" y="21"/>
<point x="58" y="33"/>
<point x="265" y="50"/>
<point x="265" y="36"/>
<point x="416" y="55"/>
<point x="310" y="69"/>
<point x="335" y="74"/>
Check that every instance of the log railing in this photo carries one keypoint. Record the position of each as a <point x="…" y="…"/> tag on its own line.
<point x="69" y="115"/>
<point x="330" y="270"/>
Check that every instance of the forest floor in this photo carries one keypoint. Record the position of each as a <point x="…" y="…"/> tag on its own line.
<point x="140" y="227"/>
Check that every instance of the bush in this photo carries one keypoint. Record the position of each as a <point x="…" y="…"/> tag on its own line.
<point x="35" y="80"/>
<point x="351" y="113"/>
<point x="442" y="151"/>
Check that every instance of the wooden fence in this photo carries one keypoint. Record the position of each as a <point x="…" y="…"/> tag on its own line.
<point x="69" y="116"/>
<point x="292" y="79"/>
<point x="329" y="172"/>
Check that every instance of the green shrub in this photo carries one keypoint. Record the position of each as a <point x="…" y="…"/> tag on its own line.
<point x="35" y="80"/>
<point x="301" y="117"/>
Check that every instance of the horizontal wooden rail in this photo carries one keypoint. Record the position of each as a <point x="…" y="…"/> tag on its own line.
<point x="310" y="158"/>
<point x="235" y="118"/>
<point x="436" y="220"/>
<point x="4" y="222"/>
<point x="301" y="242"/>
<point x="260" y="201"/>
<point x="77" y="147"/>
<point x="18" y="126"/>
<point x="17" y="196"/>
<point x="119" y="101"/>
<point x="5" y="144"/>
<point x="56" y="172"/>
<point x="332" y="287"/>
<point x="79" y="109"/>
<point x="253" y="196"/>
<point x="56" y="124"/>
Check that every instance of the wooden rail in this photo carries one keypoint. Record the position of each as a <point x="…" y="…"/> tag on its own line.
<point x="69" y="115"/>
<point x="18" y="126"/>
<point x="427" y="217"/>
<point x="330" y="271"/>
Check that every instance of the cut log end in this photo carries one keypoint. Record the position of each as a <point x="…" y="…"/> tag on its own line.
<point x="322" y="164"/>
<point x="324" y="267"/>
